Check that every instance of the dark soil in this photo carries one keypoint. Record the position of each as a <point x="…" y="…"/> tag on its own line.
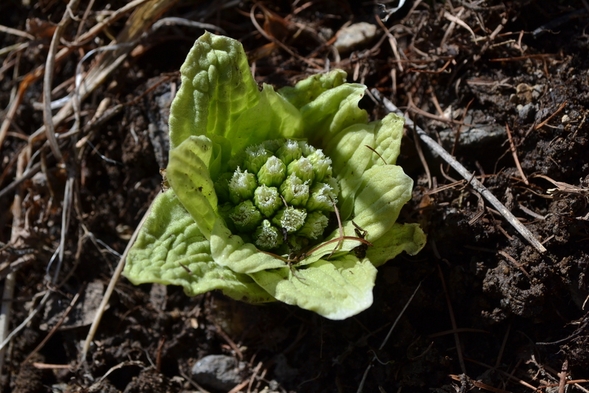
<point x="490" y="313"/>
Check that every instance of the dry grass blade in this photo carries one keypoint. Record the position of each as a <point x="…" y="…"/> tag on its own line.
<point x="49" y="68"/>
<point x="453" y="321"/>
<point x="466" y="381"/>
<point x="457" y="20"/>
<point x="9" y="284"/>
<point x="20" y="33"/>
<point x="513" y="149"/>
<point x="139" y="22"/>
<point x="57" y="325"/>
<point x="19" y="179"/>
<point x="109" y="290"/>
<point x="5" y="315"/>
<point x="34" y="75"/>
<point x="274" y="40"/>
<point x="386" y="339"/>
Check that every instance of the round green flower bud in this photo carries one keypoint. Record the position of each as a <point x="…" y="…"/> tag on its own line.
<point x="306" y="148"/>
<point x="246" y="217"/>
<point x="295" y="191"/>
<point x="333" y="184"/>
<point x="255" y="158"/>
<point x="322" y="197"/>
<point x="267" y="236"/>
<point x="289" y="151"/>
<point x="321" y="164"/>
<point x="272" y="173"/>
<point x="302" y="168"/>
<point x="290" y="219"/>
<point x="282" y="198"/>
<point x="314" y="226"/>
<point x="242" y="186"/>
<point x="267" y="200"/>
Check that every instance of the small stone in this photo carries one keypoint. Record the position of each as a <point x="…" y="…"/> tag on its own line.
<point x="354" y="35"/>
<point x="565" y="119"/>
<point x="82" y="314"/>
<point x="526" y="94"/>
<point x="220" y="372"/>
<point x="526" y="112"/>
<point x="477" y="137"/>
<point x="537" y="91"/>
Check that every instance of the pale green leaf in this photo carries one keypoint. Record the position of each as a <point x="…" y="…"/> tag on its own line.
<point x="351" y="158"/>
<point x="272" y="118"/>
<point x="376" y="205"/>
<point x="387" y="141"/>
<point x="231" y="251"/>
<point x="217" y="87"/>
<point x="333" y="111"/>
<point x="400" y="237"/>
<point x="384" y="191"/>
<point x="170" y="250"/>
<point x="189" y="177"/>
<point x="312" y="87"/>
<point x="359" y="147"/>
<point x="335" y="289"/>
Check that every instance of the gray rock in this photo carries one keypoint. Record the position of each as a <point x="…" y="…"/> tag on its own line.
<point x="477" y="137"/>
<point x="220" y="372"/>
<point x="526" y="112"/>
<point x="82" y="314"/>
<point x="354" y="35"/>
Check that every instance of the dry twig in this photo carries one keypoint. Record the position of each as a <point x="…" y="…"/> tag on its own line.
<point x="453" y="321"/>
<point x="109" y="290"/>
<point x="515" y="156"/>
<point x="9" y="284"/>
<point x="34" y="75"/>
<point x="477" y="185"/>
<point x="48" y="78"/>
<point x="386" y="339"/>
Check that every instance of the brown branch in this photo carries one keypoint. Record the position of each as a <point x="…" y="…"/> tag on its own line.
<point x="515" y="156"/>
<point x="561" y="107"/>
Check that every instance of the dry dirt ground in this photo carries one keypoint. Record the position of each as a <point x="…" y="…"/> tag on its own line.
<point x="503" y="85"/>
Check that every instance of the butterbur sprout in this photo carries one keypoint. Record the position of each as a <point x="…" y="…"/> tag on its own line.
<point x="267" y="190"/>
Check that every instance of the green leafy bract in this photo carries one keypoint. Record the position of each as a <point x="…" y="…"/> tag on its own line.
<point x="217" y="113"/>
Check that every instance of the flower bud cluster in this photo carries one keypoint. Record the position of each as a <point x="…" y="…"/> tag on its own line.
<point x="280" y="195"/>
